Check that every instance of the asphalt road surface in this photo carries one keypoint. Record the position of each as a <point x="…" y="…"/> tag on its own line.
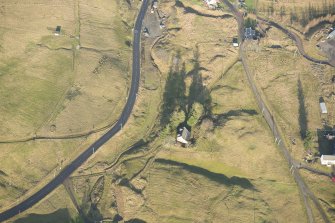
<point x="68" y="170"/>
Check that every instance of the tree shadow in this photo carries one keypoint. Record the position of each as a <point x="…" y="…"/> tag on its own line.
<point x="135" y="220"/>
<point x="174" y="93"/>
<point x="326" y="147"/>
<point x="94" y="214"/>
<point x="222" y="119"/>
<point x="175" y="98"/>
<point x="303" y="123"/>
<point x="198" y="92"/>
<point x="217" y="177"/>
<point x="60" y="216"/>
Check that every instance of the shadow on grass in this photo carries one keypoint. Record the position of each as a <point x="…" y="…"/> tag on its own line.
<point x="326" y="147"/>
<point x="174" y="93"/>
<point x="222" y="119"/>
<point x="302" y="111"/>
<point x="135" y="220"/>
<point x="198" y="92"/>
<point x="94" y="214"/>
<point x="175" y="98"/>
<point x="219" y="178"/>
<point x="59" y="216"/>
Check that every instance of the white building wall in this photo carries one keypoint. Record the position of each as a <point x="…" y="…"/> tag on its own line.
<point x="327" y="161"/>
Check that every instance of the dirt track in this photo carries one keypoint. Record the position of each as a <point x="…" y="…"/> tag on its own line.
<point x="297" y="40"/>
<point x="304" y="190"/>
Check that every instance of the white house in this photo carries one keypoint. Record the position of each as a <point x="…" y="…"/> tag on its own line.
<point x="211" y="3"/>
<point x="183" y="135"/>
<point x="328" y="160"/>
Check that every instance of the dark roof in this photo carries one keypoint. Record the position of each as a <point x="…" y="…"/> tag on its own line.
<point x="249" y="32"/>
<point x="186" y="134"/>
<point x="58" y="29"/>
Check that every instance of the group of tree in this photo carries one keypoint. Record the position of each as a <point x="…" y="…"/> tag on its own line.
<point x="302" y="15"/>
<point x="184" y="104"/>
<point x="248" y="22"/>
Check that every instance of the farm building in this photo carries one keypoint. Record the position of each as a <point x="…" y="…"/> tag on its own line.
<point x="331" y="35"/>
<point x="249" y="33"/>
<point x="327" y="160"/>
<point x="155" y="4"/>
<point x="212" y="4"/>
<point x="57" y="30"/>
<point x="235" y="42"/>
<point x="323" y="108"/>
<point x="183" y="135"/>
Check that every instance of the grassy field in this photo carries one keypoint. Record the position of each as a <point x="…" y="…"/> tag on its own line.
<point x="309" y="19"/>
<point x="292" y="87"/>
<point x="56" y="208"/>
<point x="60" y="81"/>
<point x="300" y="14"/>
<point x="323" y="187"/>
<point x="58" y="85"/>
<point x="241" y="148"/>
<point x="233" y="171"/>
<point x="22" y="166"/>
<point x="211" y="175"/>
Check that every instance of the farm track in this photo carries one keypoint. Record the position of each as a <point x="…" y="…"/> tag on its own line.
<point x="70" y="136"/>
<point x="296" y="39"/>
<point x="313" y="170"/>
<point x="304" y="190"/>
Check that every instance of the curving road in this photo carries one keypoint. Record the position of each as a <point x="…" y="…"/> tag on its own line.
<point x="296" y="39"/>
<point x="68" y="170"/>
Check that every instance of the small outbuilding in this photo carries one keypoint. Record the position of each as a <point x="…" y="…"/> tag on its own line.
<point x="183" y="135"/>
<point x="146" y="32"/>
<point x="328" y="160"/>
<point x="331" y="35"/>
<point x="249" y="33"/>
<point x="323" y="108"/>
<point x="235" y="42"/>
<point x="57" y="30"/>
<point x="161" y="25"/>
<point x="155" y="4"/>
<point x="212" y="4"/>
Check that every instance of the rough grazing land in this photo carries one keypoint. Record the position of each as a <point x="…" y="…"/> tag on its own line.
<point x="57" y="86"/>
